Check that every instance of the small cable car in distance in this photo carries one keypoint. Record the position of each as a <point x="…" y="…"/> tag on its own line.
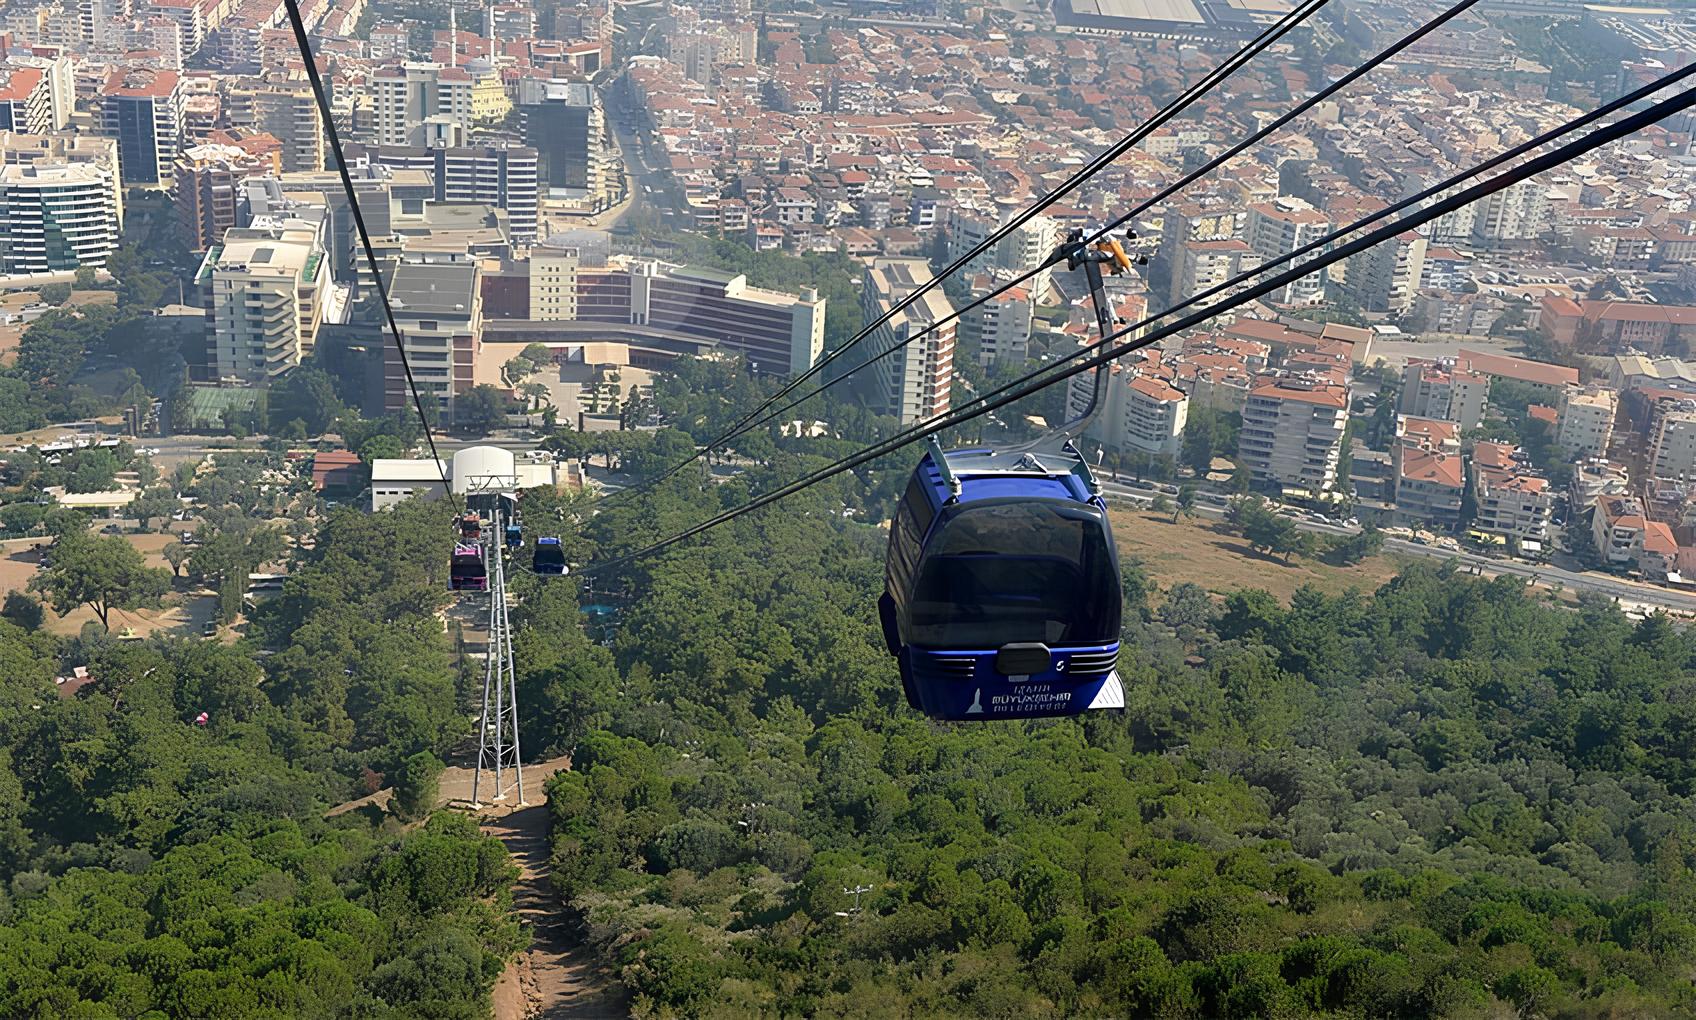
<point x="470" y="527"/>
<point x="514" y="536"/>
<point x="1002" y="594"/>
<point x="466" y="571"/>
<point x="549" y="559"/>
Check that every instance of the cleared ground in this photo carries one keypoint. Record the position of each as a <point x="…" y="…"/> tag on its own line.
<point x="1205" y="553"/>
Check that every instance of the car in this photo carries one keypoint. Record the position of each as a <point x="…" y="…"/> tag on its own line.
<point x="209" y="629"/>
<point x="111" y="529"/>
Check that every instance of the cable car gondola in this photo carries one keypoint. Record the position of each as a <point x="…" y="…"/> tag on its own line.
<point x="514" y="536"/>
<point x="549" y="560"/>
<point x="1002" y="594"/>
<point x="1002" y="590"/>
<point x="466" y="571"/>
<point x="470" y="528"/>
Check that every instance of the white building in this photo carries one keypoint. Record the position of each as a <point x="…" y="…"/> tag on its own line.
<point x="1292" y="433"/>
<point x="1281" y="226"/>
<point x="1672" y="454"/>
<point x="479" y="475"/>
<point x="1139" y="411"/>
<point x="56" y="219"/>
<point x="915" y="382"/>
<point x="421" y="104"/>
<point x="1023" y="249"/>
<point x="1586" y="422"/>
<point x="1000" y="327"/>
<point x="1513" y="500"/>
<point x="1442" y="389"/>
<point x="266" y="282"/>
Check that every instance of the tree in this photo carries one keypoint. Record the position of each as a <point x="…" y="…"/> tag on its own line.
<point x="85" y="278"/>
<point x="535" y="393"/>
<point x="23" y="610"/>
<point x="480" y="410"/>
<point x="417" y="786"/>
<point x="56" y="293"/>
<point x="1186" y="502"/>
<point x="102" y="573"/>
<point x="177" y="554"/>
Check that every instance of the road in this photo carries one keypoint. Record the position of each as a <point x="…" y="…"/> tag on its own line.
<point x="1630" y="594"/>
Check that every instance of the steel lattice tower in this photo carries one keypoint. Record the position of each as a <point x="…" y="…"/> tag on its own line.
<point x="497" y="731"/>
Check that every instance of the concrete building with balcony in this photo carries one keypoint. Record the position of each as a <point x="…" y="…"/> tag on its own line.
<point x="1672" y="447"/>
<point x="1427" y="472"/>
<point x="1586" y="420"/>
<point x="26" y="100"/>
<point x="205" y="190"/>
<point x="1281" y="226"/>
<point x="1000" y="328"/>
<point x="265" y="283"/>
<point x="564" y="123"/>
<point x="286" y="110"/>
<point x="1292" y="433"/>
<point x="61" y="202"/>
<point x="1626" y="537"/>
<point x="1139" y="413"/>
<point x="421" y="104"/>
<point x="914" y="382"/>
<point x="438" y="306"/>
<point x="1442" y="389"/>
<point x="1512" y="500"/>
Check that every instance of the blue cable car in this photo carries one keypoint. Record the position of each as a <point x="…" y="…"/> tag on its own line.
<point x="514" y="536"/>
<point x="1002" y="591"/>
<point x="466" y="571"/>
<point x="549" y="560"/>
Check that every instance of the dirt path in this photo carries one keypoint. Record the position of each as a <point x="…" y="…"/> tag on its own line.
<point x="557" y="978"/>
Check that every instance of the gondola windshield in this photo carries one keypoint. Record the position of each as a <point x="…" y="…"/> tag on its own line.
<point x="1016" y="571"/>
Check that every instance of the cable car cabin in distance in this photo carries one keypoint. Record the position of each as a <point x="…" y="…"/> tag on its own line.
<point x="514" y="536"/>
<point x="470" y="527"/>
<point x="466" y="571"/>
<point x="1002" y="590"/>
<point x="549" y="560"/>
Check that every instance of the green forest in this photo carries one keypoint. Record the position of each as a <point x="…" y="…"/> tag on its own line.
<point x="1445" y="798"/>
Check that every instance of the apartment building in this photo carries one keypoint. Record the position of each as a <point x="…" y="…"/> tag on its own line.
<point x="498" y="176"/>
<point x="143" y="109"/>
<point x="1025" y="247"/>
<point x="1586" y="420"/>
<point x="421" y="104"/>
<point x="1292" y="432"/>
<point x="286" y="110"/>
<point x="61" y="203"/>
<point x="1427" y="472"/>
<point x="1386" y="277"/>
<point x="1205" y="265"/>
<point x="1672" y="446"/>
<point x="1442" y="389"/>
<point x="1625" y="536"/>
<point x="1512" y="500"/>
<point x="438" y="306"/>
<point x="999" y="328"/>
<point x="914" y="383"/>
<point x="26" y="100"/>
<point x="1140" y="412"/>
<point x="205" y="190"/>
<point x="1281" y="226"/>
<point x="265" y="283"/>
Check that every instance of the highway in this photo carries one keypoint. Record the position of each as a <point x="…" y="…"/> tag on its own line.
<point x="1631" y="594"/>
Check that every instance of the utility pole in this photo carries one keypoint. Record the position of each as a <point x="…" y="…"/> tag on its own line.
<point x="855" y="892"/>
<point x="497" y="730"/>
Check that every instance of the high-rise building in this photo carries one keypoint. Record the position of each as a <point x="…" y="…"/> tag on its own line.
<point x="915" y="382"/>
<point x="999" y="328"/>
<point x="1672" y="451"/>
<point x="564" y="123"/>
<point x="439" y="308"/>
<point x="26" y="100"/>
<point x="1385" y="277"/>
<point x="1281" y="226"/>
<point x="421" y="104"/>
<point x="1139" y="410"/>
<point x="1518" y="212"/>
<point x="1292" y="432"/>
<point x="57" y="85"/>
<point x="61" y="203"/>
<point x="1203" y="265"/>
<point x="553" y="282"/>
<point x="499" y="176"/>
<point x="1184" y="227"/>
<point x="286" y="110"/>
<point x="265" y="286"/>
<point x="1023" y="249"/>
<point x="143" y="109"/>
<point x="205" y="187"/>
